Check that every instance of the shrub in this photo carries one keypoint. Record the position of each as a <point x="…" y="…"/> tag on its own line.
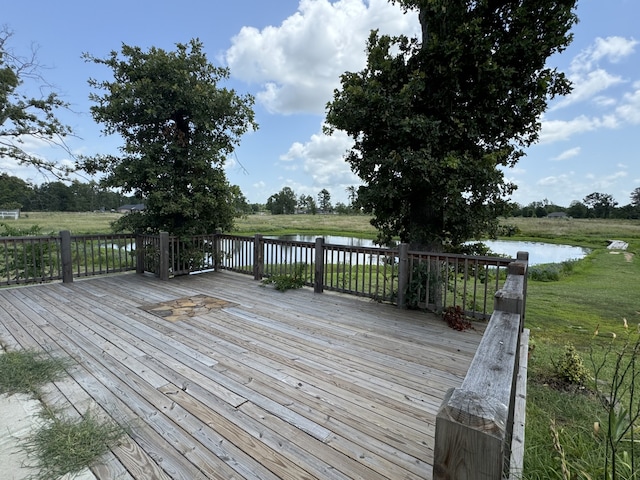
<point x="551" y="272"/>
<point x="571" y="368"/>
<point x="288" y="281"/>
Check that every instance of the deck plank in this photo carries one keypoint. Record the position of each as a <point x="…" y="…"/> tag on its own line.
<point x="290" y="385"/>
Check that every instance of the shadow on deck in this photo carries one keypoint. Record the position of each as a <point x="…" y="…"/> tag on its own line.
<point x="219" y="377"/>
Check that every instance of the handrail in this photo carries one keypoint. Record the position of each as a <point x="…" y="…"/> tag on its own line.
<point x="480" y="425"/>
<point x="45" y="258"/>
<point x="406" y="278"/>
<point x="411" y="279"/>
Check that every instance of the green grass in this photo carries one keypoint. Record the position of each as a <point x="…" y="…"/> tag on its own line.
<point x="62" y="445"/>
<point x="25" y="371"/>
<point x="97" y="222"/>
<point x="588" y="233"/>
<point x="596" y="295"/>
<point x="601" y="290"/>
<point x="68" y="446"/>
<point x="339" y="225"/>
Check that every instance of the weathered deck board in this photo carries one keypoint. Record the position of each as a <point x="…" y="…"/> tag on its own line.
<point x="277" y="385"/>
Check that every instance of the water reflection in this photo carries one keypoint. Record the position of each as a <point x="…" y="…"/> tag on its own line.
<point x="332" y="239"/>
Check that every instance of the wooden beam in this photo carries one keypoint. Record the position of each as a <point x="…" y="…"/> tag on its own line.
<point x="472" y="425"/>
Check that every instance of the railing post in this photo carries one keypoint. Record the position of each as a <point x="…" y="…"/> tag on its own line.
<point x="470" y="437"/>
<point x="403" y="274"/>
<point x="164" y="256"/>
<point x="318" y="279"/>
<point x="258" y="257"/>
<point x="65" y="255"/>
<point x="217" y="250"/>
<point x="511" y="298"/>
<point x="523" y="257"/>
<point x="139" y="255"/>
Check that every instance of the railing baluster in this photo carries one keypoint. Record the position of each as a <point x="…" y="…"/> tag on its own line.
<point x="344" y="268"/>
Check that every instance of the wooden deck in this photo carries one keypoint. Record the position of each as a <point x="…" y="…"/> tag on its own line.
<point x="243" y="381"/>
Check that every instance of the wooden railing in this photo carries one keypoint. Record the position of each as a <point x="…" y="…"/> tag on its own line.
<point x="36" y="259"/>
<point x="480" y="426"/>
<point x="406" y="278"/>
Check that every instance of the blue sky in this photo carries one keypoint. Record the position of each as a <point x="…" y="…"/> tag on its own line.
<point x="290" y="54"/>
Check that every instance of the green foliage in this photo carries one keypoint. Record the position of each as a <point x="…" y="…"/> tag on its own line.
<point x="178" y="127"/>
<point x="435" y="120"/>
<point x="324" y="201"/>
<point x="288" y="281"/>
<point x="617" y="379"/>
<point x="601" y="205"/>
<point x="59" y="196"/>
<point x="507" y="230"/>
<point x="551" y="272"/>
<point x="284" y="202"/>
<point x="67" y="446"/>
<point x="570" y="368"/>
<point x="14" y="192"/>
<point x="425" y="285"/>
<point x="22" y="115"/>
<point x="27" y="260"/>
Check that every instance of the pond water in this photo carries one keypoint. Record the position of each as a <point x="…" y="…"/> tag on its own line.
<point x="538" y="252"/>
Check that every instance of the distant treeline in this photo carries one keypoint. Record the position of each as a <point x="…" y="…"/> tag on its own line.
<point x="58" y="196"/>
<point x="594" y="205"/>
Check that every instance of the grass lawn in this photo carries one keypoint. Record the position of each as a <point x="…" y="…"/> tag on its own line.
<point x="598" y="294"/>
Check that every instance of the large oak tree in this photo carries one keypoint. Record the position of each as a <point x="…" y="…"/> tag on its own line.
<point x="178" y="125"/>
<point x="436" y="119"/>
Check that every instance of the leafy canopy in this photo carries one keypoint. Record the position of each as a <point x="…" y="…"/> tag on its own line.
<point x="436" y="120"/>
<point x="23" y="116"/>
<point x="282" y="203"/>
<point x="178" y="127"/>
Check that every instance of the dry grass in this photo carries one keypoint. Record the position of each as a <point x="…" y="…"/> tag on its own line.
<point x="341" y="225"/>
<point x="76" y="222"/>
<point x="593" y="232"/>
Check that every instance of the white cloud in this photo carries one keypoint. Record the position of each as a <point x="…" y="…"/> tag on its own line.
<point x="587" y="86"/>
<point x="557" y="130"/>
<point x="322" y="157"/>
<point x="612" y="49"/>
<point x="603" y="183"/>
<point x="629" y="111"/>
<point x="572" y="152"/>
<point x="602" y="101"/>
<point x="298" y="63"/>
<point x="588" y="77"/>
<point x="546" y="181"/>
